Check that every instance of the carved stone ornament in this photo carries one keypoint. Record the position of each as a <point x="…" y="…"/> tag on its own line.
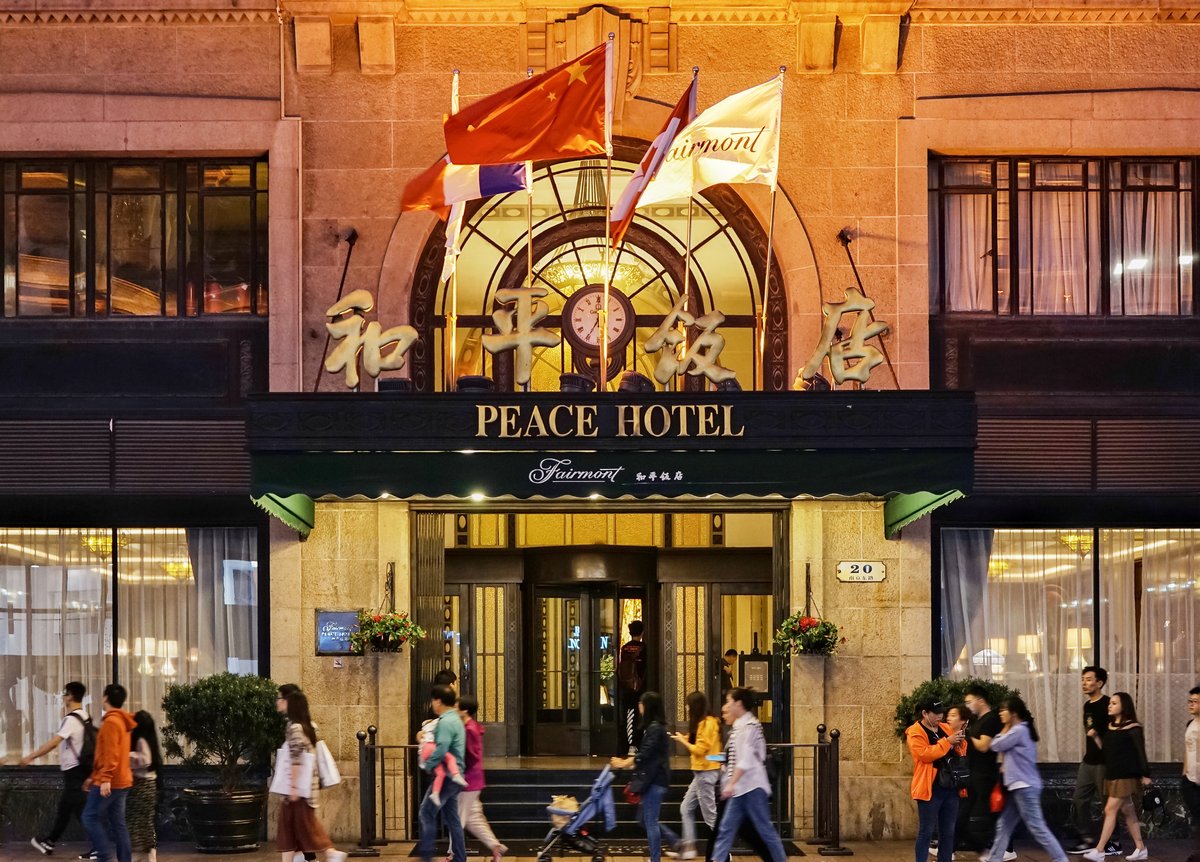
<point x="354" y="336"/>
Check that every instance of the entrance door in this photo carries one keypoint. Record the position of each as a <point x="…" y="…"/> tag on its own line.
<point x="571" y="677"/>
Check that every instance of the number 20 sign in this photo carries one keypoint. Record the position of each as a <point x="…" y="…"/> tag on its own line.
<point x="858" y="572"/>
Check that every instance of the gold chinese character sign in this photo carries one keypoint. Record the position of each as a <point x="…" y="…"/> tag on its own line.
<point x="854" y="348"/>
<point x="517" y="329"/>
<point x="355" y="336"/>
<point x="702" y="356"/>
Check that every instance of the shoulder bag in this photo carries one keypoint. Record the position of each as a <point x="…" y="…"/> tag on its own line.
<point x="327" y="770"/>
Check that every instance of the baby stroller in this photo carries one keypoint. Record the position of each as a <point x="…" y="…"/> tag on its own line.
<point x="570" y="818"/>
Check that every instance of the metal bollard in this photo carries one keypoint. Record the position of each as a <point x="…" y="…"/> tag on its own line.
<point x="366" y="799"/>
<point x="835" y="848"/>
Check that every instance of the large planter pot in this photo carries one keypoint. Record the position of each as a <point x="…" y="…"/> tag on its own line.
<point x="225" y="822"/>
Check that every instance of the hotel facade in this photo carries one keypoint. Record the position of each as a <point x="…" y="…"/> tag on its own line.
<point x="187" y="189"/>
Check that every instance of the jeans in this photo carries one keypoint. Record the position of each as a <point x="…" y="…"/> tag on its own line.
<point x="1025" y="804"/>
<point x="1089" y="787"/>
<point x="755" y="807"/>
<point x="652" y="799"/>
<point x="448" y="811"/>
<point x="104" y="814"/>
<point x="70" y="802"/>
<point x="942" y="811"/>
<point x="702" y="794"/>
<point x="1191" y="798"/>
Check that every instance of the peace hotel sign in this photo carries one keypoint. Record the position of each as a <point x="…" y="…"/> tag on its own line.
<point x="522" y="310"/>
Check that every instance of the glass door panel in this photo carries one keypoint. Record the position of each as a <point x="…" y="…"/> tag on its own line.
<point x="746" y="626"/>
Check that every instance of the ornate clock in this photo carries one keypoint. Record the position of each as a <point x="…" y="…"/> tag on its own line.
<point x="581" y="320"/>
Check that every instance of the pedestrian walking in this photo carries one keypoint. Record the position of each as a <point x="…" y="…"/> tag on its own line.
<point x="470" y="806"/>
<point x="1017" y="741"/>
<point x="111" y="777"/>
<point x="1126" y="772"/>
<point x="298" y="829"/>
<point x="1190" y="780"/>
<point x="449" y="737"/>
<point x="141" y="811"/>
<point x="631" y="683"/>
<point x="75" y="741"/>
<point x="977" y="822"/>
<point x="1089" y="781"/>
<point x="744" y="781"/>
<point x="929" y="741"/>
<point x="285" y="690"/>
<point x="652" y="766"/>
<point x="702" y="740"/>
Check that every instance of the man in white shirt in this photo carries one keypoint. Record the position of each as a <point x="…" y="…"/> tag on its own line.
<point x="1190" y="783"/>
<point x="744" y="779"/>
<point x="69" y="741"/>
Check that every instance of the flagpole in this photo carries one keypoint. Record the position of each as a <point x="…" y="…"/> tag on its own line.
<point x="687" y="252"/>
<point x="761" y="369"/>
<point x="602" y="371"/>
<point x="451" y="360"/>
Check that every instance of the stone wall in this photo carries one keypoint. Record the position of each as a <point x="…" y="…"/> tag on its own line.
<point x="886" y="653"/>
<point x="342" y="566"/>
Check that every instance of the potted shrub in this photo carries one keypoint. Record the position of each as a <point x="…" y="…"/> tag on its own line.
<point x="951" y="692"/>
<point x="229" y="722"/>
<point x="801" y="634"/>
<point x="380" y="631"/>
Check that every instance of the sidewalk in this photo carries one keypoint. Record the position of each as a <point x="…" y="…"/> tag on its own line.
<point x="864" y="851"/>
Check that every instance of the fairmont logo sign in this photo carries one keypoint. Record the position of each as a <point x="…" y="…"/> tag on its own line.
<point x="584" y="421"/>
<point x="560" y="471"/>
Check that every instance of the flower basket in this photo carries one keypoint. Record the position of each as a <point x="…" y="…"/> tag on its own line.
<point x="804" y="635"/>
<point x="384" y="632"/>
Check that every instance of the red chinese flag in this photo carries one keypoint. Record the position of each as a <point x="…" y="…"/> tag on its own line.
<point x="557" y="114"/>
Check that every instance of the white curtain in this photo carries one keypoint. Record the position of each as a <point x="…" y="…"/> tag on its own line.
<point x="1030" y="626"/>
<point x="55" y="628"/>
<point x="1146" y="272"/>
<point x="1061" y="273"/>
<point x="1150" y="585"/>
<point x="968" y="252"/>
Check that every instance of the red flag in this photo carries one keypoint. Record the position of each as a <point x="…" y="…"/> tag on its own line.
<point x="623" y="210"/>
<point x="554" y="115"/>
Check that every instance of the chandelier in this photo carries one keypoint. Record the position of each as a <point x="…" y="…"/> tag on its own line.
<point x="591" y="195"/>
<point x="101" y="544"/>
<point x="996" y="568"/>
<point x="178" y="570"/>
<point x="1078" y="542"/>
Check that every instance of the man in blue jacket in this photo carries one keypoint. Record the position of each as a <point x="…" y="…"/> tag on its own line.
<point x="449" y="736"/>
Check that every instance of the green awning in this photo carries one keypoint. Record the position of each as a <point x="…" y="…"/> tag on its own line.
<point x="295" y="510"/>
<point x="902" y="509"/>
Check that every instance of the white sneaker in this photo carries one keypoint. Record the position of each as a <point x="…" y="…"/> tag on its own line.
<point x="1094" y="855"/>
<point x="1010" y="855"/>
<point x="1138" y="855"/>
<point x="335" y="856"/>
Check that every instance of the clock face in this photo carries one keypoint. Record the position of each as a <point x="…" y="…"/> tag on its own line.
<point x="581" y="318"/>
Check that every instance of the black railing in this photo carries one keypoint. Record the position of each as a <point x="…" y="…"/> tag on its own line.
<point x="386" y="803"/>
<point x="806" y="799"/>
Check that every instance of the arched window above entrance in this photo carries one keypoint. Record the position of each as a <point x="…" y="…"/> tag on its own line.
<point x="728" y="263"/>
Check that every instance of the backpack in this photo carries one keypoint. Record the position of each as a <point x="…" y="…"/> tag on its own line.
<point x="87" y="752"/>
<point x="629" y="674"/>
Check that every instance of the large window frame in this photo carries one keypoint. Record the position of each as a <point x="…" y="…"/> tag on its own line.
<point x="181" y="200"/>
<point x="1008" y="185"/>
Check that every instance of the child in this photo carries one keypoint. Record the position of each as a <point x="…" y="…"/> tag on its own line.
<point x="449" y="763"/>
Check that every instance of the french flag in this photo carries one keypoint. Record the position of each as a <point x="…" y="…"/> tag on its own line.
<point x="444" y="184"/>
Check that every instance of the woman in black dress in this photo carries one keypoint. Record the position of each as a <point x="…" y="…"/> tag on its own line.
<point x="1126" y="771"/>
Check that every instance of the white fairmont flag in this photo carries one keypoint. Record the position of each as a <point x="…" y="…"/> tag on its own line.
<point x="734" y="141"/>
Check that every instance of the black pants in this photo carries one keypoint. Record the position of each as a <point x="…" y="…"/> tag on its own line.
<point x="976" y="827"/>
<point x="70" y="802"/>
<point x="748" y="835"/>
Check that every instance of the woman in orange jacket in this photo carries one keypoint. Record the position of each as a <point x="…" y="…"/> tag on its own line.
<point x="930" y="740"/>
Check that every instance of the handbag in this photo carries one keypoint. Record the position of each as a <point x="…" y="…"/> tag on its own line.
<point x="281" y="781"/>
<point x="996" y="800"/>
<point x="327" y="771"/>
<point x="953" y="772"/>
<point x="635" y="788"/>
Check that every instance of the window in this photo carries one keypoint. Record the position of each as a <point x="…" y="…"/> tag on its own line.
<point x="183" y="603"/>
<point x="1060" y="236"/>
<point x="1031" y="608"/>
<point x="145" y="238"/>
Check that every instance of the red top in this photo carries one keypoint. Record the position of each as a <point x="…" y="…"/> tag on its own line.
<point x="474" y="770"/>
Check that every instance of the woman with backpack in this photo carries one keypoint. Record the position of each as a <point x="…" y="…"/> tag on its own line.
<point x="929" y="741"/>
<point x="1017" y="741"/>
<point x="702" y="739"/>
<point x="145" y="758"/>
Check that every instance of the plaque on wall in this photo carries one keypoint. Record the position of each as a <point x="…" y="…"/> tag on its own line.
<point x="333" y="631"/>
<point x="754" y="672"/>
<point x="860" y="572"/>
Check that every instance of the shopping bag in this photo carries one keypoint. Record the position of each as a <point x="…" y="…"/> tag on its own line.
<point x="327" y="770"/>
<point x="996" y="802"/>
<point x="281" y="781"/>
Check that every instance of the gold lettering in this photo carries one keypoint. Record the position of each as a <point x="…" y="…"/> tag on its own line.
<point x="509" y="415"/>
<point x="727" y="409"/>
<point x="657" y="410"/>
<point x="585" y="420"/>
<point x="486" y="414"/>
<point x="629" y="421"/>
<point x="709" y="425"/>
<point x="682" y="412"/>
<point x="536" y="424"/>
<point x="555" y="429"/>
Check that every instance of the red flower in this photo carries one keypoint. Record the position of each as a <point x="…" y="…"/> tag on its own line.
<point x="377" y="618"/>
<point x="807" y="623"/>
